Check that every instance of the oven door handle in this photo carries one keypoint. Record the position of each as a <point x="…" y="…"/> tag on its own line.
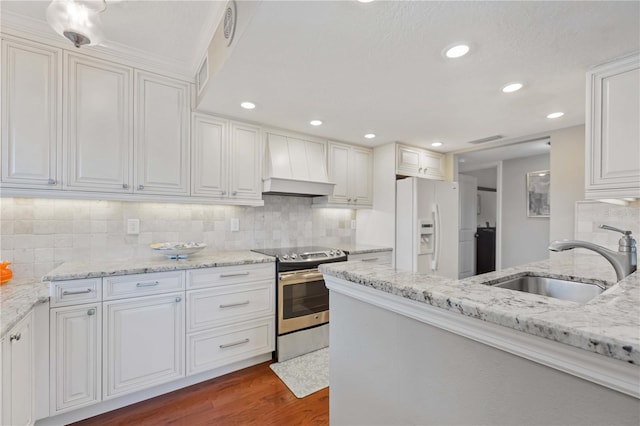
<point x="297" y="277"/>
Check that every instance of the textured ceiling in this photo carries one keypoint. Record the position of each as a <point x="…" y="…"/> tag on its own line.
<point x="378" y="67"/>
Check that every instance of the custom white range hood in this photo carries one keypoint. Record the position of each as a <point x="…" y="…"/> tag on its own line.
<point x="296" y="167"/>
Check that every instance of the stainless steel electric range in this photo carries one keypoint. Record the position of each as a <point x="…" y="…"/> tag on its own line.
<point x="302" y="298"/>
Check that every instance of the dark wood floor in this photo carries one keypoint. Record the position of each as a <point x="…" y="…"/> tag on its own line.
<point x="253" y="396"/>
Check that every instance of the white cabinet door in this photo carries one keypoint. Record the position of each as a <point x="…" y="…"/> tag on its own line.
<point x="31" y="115"/>
<point x="209" y="160"/>
<point x="162" y="135"/>
<point x="76" y="354"/>
<point x="407" y="160"/>
<point x="361" y="176"/>
<point x="411" y="161"/>
<point x="245" y="162"/>
<point x="431" y="165"/>
<point x="613" y="132"/>
<point x="143" y="341"/>
<point x="17" y="374"/>
<point x="339" y="173"/>
<point x="98" y="125"/>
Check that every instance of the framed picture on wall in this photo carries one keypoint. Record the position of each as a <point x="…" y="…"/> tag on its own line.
<point x="538" y="193"/>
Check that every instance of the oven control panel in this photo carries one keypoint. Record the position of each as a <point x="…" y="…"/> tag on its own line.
<point x="311" y="256"/>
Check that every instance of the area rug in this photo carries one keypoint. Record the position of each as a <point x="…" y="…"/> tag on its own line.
<point x="305" y="374"/>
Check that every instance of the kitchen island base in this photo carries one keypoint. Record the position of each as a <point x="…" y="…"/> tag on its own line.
<point x="397" y="361"/>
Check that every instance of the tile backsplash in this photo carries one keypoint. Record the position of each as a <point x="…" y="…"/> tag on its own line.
<point x="591" y="214"/>
<point x="37" y="235"/>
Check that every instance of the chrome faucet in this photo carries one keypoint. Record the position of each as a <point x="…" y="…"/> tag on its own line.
<point x="624" y="261"/>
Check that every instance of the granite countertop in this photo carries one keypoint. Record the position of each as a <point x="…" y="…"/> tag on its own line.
<point x="608" y="324"/>
<point x="17" y="298"/>
<point x="111" y="267"/>
<point x="363" y="248"/>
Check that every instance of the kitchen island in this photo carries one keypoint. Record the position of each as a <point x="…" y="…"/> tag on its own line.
<point x="410" y="348"/>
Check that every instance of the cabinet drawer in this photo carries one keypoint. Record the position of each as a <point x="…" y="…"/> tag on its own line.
<point x="75" y="292"/>
<point x="224" y="345"/>
<point x="378" y="258"/>
<point x="142" y="284"/>
<point x="212" y="277"/>
<point x="222" y="305"/>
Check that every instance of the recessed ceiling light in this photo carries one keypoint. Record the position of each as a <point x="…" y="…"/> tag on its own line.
<point x="248" y="105"/>
<point x="370" y="135"/>
<point x="315" y="122"/>
<point x="365" y="1"/>
<point x="436" y="144"/>
<point x="555" y="115"/>
<point x="456" y="51"/>
<point x="542" y="174"/>
<point x="512" y="87"/>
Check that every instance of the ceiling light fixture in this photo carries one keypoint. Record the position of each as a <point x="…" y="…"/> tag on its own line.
<point x="315" y="122"/>
<point x="456" y="51"/>
<point x="555" y="115"/>
<point x="248" y="105"/>
<point x="512" y="87"/>
<point x="436" y="144"/>
<point x="365" y="1"/>
<point x="78" y="21"/>
<point x="370" y="135"/>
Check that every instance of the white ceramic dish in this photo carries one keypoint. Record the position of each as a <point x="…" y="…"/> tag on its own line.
<point x="177" y="250"/>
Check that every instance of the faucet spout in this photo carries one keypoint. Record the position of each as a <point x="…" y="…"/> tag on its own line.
<point x="623" y="261"/>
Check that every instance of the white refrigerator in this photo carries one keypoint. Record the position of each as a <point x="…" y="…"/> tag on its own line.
<point x="427" y="214"/>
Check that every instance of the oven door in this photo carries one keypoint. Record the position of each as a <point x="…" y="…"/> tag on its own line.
<point x="303" y="300"/>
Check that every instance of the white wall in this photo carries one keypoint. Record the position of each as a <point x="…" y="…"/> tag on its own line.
<point x="567" y="180"/>
<point x="487" y="178"/>
<point x="524" y="239"/>
<point x="39" y="234"/>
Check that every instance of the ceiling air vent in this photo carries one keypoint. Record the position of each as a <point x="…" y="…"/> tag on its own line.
<point x="485" y="140"/>
<point x="203" y="74"/>
<point x="230" y="18"/>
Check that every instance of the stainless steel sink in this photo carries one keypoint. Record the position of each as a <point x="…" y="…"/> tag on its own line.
<point x="551" y="287"/>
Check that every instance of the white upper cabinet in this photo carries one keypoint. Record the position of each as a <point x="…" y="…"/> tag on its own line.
<point x="31" y="115"/>
<point x="162" y="115"/>
<point x="612" y="130"/>
<point x="351" y="169"/>
<point x="98" y="136"/>
<point x="226" y="159"/>
<point x="209" y="150"/>
<point x="245" y="161"/>
<point x="411" y="161"/>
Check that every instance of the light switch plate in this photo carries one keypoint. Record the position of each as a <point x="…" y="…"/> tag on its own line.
<point x="235" y="224"/>
<point x="133" y="226"/>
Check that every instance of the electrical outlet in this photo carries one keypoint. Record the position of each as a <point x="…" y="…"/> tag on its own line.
<point x="235" y="224"/>
<point x="133" y="226"/>
<point x="353" y="224"/>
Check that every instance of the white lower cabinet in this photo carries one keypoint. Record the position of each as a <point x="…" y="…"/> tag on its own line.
<point x="75" y="354"/>
<point x="376" y="258"/>
<point x="144" y="342"/>
<point x="18" y="374"/>
<point x="223" y="345"/>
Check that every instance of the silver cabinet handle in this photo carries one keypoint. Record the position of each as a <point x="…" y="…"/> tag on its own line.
<point x="178" y="299"/>
<point x="349" y="199"/>
<point x="51" y="181"/>
<point x="140" y="187"/>
<point x="125" y="186"/>
<point x="149" y="284"/>
<point x="425" y="170"/>
<point x="70" y="293"/>
<point x="355" y="200"/>
<point x="91" y="312"/>
<point x="228" y="345"/>
<point x="238" y="274"/>
<point x="17" y="337"/>
<point x="224" y="192"/>
<point x="230" y="305"/>
<point x="234" y="192"/>
<point x="370" y="259"/>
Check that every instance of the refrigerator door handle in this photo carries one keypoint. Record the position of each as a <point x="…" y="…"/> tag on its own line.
<point x="436" y="236"/>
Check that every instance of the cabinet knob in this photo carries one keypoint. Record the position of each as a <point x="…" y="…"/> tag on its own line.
<point x="349" y="200"/>
<point x="51" y="181"/>
<point x="178" y="299"/>
<point x="355" y="200"/>
<point x="140" y="187"/>
<point x="91" y="311"/>
<point x="15" y="337"/>
<point x="224" y="192"/>
<point x="234" y="192"/>
<point x="425" y="170"/>
<point x="125" y="186"/>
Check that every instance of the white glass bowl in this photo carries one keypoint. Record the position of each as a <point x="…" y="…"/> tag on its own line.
<point x="177" y="250"/>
